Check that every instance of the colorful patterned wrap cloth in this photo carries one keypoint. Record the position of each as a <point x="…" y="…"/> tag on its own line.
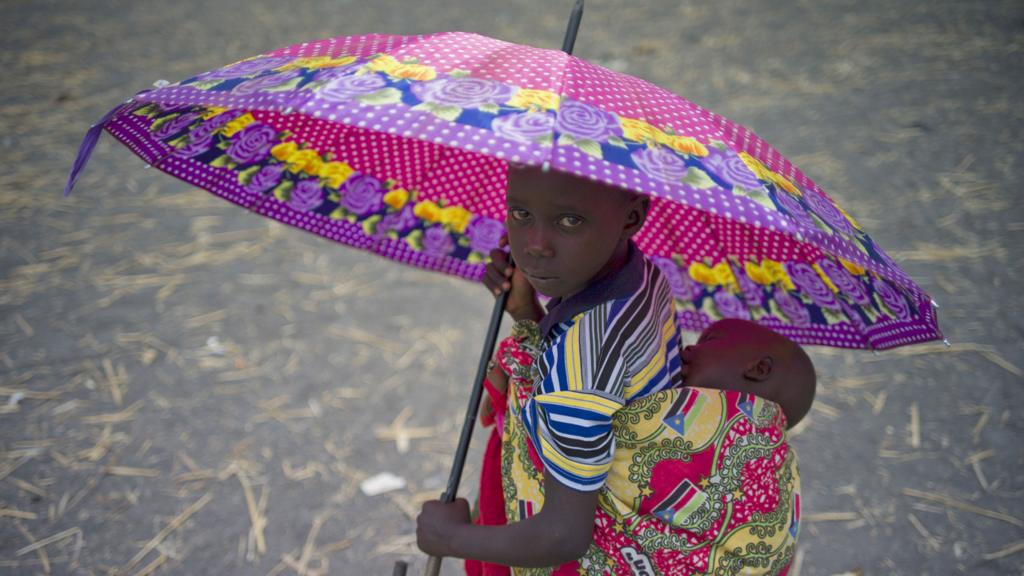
<point x="702" y="482"/>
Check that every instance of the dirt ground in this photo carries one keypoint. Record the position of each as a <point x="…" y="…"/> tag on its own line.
<point x="188" y="389"/>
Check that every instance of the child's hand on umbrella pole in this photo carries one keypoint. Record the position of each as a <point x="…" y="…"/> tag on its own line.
<point x="503" y="275"/>
<point x="437" y="523"/>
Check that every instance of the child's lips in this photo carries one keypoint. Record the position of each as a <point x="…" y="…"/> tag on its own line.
<point x="539" y="277"/>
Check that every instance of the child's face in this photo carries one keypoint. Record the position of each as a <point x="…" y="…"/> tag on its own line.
<point x="564" y="231"/>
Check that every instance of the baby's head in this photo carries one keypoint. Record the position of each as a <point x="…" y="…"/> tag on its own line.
<point x="566" y="232"/>
<point x="744" y="356"/>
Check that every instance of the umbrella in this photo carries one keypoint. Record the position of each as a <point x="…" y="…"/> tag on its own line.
<point x="400" y="145"/>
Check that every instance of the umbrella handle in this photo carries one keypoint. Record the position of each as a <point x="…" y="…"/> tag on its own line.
<point x="434" y="562"/>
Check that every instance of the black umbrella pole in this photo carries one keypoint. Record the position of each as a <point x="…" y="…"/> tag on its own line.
<point x="434" y="562"/>
<point x="574" y="25"/>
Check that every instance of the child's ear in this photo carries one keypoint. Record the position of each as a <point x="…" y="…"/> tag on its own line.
<point x="761" y="370"/>
<point x="637" y="215"/>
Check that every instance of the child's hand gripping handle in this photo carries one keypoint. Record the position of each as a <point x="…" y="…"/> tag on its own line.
<point x="434" y="562"/>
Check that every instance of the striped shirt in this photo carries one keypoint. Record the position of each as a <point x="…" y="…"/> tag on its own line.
<point x="615" y="341"/>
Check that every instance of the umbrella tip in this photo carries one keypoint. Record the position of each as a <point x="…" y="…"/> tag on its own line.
<point x="947" y="343"/>
<point x="935" y="304"/>
<point x="545" y="167"/>
<point x="161" y="83"/>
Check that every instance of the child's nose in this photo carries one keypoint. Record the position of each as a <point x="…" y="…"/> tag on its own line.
<point x="538" y="243"/>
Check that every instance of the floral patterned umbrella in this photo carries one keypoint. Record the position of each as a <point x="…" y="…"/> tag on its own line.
<point x="400" y="145"/>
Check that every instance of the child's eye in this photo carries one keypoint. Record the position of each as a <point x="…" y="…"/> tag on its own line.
<point x="570" y="221"/>
<point x="518" y="214"/>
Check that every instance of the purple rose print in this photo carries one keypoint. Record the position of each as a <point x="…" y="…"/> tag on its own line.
<point x="794" y="209"/>
<point x="827" y="212"/>
<point x="436" y="240"/>
<point x="207" y="128"/>
<point x="252" y="144"/>
<point x="175" y="125"/>
<point x="679" y="282"/>
<point x="348" y="87"/>
<point x="463" y="92"/>
<point x="265" y="180"/>
<point x="753" y="295"/>
<point x="361" y="194"/>
<point x="194" y="147"/>
<point x="399" y="221"/>
<point x="247" y="68"/>
<point x="809" y="283"/>
<point x="264" y="82"/>
<point x="326" y="74"/>
<point x="729" y="306"/>
<point x="306" y="195"/>
<point x="843" y="280"/>
<point x="484" y="234"/>
<point x="892" y="299"/>
<point x="855" y="319"/>
<point x="792" y="307"/>
<point x="586" y="122"/>
<point x="523" y="127"/>
<point x="729" y="167"/>
<point x="660" y="164"/>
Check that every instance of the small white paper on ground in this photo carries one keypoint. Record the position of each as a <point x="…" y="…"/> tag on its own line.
<point x="381" y="483"/>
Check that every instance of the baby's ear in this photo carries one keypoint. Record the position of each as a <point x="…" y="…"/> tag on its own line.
<point x="760" y="370"/>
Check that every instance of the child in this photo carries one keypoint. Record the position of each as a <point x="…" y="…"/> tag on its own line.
<point x="608" y="341"/>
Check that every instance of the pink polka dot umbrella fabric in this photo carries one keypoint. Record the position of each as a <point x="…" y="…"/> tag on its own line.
<point x="401" y="145"/>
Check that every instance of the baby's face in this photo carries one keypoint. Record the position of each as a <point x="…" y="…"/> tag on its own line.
<point x="721" y="355"/>
<point x="562" y="231"/>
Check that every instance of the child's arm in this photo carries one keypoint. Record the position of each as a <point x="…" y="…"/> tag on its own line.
<point x="559" y="533"/>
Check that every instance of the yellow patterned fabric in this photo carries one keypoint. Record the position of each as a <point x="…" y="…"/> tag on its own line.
<point x="702" y="482"/>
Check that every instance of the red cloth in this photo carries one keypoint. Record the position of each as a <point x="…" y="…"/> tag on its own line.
<point x="491" y="504"/>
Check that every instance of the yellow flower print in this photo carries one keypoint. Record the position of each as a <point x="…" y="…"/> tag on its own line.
<point x="702" y="274"/>
<point x="530" y="98"/>
<point x="849" y="218"/>
<point x="719" y="275"/>
<point x="283" y="150"/>
<point x="316" y="62"/>
<point x="640" y="131"/>
<point x="778" y="273"/>
<point x="301" y="159"/>
<point x="335" y="173"/>
<point x="456" y="217"/>
<point x="314" y="165"/>
<point x="851" y="267"/>
<point x="724" y="276"/>
<point x="683" y="144"/>
<point x="785" y="184"/>
<point x="211" y="111"/>
<point x="427" y="210"/>
<point x="756" y="167"/>
<point x="237" y="124"/>
<point x="824" y="278"/>
<point x="414" y="71"/>
<point x="396" y="198"/>
<point x="383" y="63"/>
<point x="757" y="273"/>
